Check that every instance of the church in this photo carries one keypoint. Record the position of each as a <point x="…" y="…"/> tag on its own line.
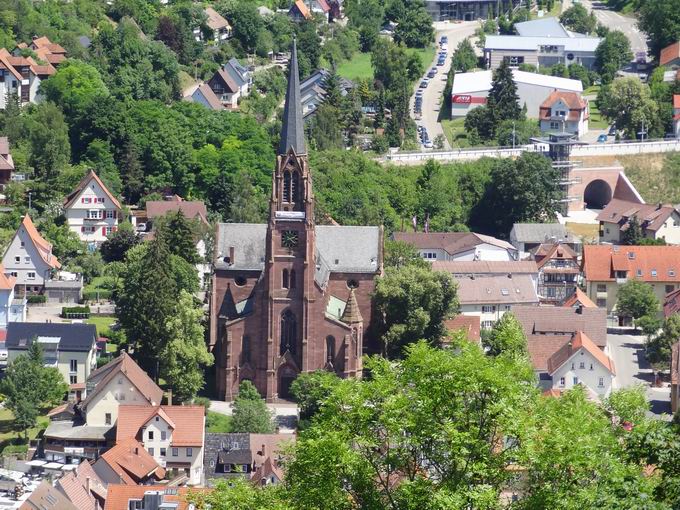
<point x="290" y="296"/>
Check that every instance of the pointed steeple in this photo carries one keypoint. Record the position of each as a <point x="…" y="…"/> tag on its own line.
<point x="292" y="128"/>
<point x="352" y="314"/>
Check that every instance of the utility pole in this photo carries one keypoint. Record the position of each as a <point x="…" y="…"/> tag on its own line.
<point x="513" y="134"/>
<point x="29" y="201"/>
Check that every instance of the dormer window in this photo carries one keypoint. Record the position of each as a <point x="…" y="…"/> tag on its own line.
<point x="653" y="273"/>
<point x="631" y="255"/>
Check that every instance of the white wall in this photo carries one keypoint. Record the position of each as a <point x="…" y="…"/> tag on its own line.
<point x="119" y="391"/>
<point x="585" y="375"/>
<point x="77" y="213"/>
<point x="29" y="261"/>
<point x="669" y="231"/>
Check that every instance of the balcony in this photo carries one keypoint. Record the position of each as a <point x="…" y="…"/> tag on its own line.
<point x="621" y="281"/>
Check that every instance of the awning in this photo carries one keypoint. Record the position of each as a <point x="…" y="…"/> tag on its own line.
<point x="53" y="465"/>
<point x="69" y="467"/>
<point x="36" y="463"/>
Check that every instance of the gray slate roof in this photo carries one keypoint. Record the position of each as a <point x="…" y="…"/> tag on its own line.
<point x="292" y="127"/>
<point x="248" y="240"/>
<point x="545" y="27"/>
<point x="74" y="337"/>
<point x="541" y="232"/>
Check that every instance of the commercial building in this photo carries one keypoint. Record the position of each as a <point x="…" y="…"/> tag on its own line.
<point x="470" y="90"/>
<point x="467" y="10"/>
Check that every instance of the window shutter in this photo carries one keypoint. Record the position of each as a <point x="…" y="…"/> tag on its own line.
<point x="103" y="230"/>
<point x="115" y="214"/>
<point x="82" y="200"/>
<point x="82" y="229"/>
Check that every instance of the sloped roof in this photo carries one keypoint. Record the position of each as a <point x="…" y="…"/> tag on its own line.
<point x="215" y="20"/>
<point x="84" y="183"/>
<point x="450" y="242"/>
<point x="669" y="53"/>
<point x="190" y="208"/>
<point x="125" y="365"/>
<point x="471" y="324"/>
<point x="579" y="341"/>
<point x="228" y="81"/>
<point x="131" y="461"/>
<point x="6" y="162"/>
<point x="43" y="247"/>
<point x="352" y="313"/>
<point x="485" y="266"/>
<point x="579" y="297"/>
<point x="47" y="497"/>
<point x="6" y="282"/>
<point x="600" y="262"/>
<point x="541" y="232"/>
<point x="292" y="124"/>
<point x="558" y="251"/>
<point x="73" y="337"/>
<point x="188" y="422"/>
<point x="571" y="99"/>
<point x="651" y="216"/>
<point x="119" y="496"/>
<point x="204" y="90"/>
<point x="302" y="8"/>
<point x="671" y="303"/>
<point x="519" y="289"/>
<point x="676" y="100"/>
<point x="74" y="486"/>
<point x="44" y="42"/>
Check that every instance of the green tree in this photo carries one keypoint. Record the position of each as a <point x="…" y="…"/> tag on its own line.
<point x="186" y="353"/>
<point x="516" y="132"/>
<point x="47" y="135"/>
<point x="74" y="84"/>
<point x="628" y="404"/>
<point x="250" y="412"/>
<point x="577" y="19"/>
<point x="506" y="337"/>
<point x="325" y="129"/>
<point x="311" y="389"/>
<point x="119" y="242"/>
<point x="247" y="23"/>
<point x="633" y="234"/>
<point x="481" y="121"/>
<point x="412" y="304"/>
<point x="658" y="348"/>
<point x="636" y="299"/>
<point x="612" y="54"/>
<point x="464" y="58"/>
<point x="181" y="235"/>
<point x="399" y="254"/>
<point x="503" y="101"/>
<point x="241" y="494"/>
<point x="415" y="29"/>
<point x="628" y="103"/>
<point x="660" y="21"/>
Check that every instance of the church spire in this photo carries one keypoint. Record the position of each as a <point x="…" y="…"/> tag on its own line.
<point x="292" y="129"/>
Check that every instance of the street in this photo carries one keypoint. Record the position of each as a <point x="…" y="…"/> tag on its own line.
<point x="616" y="21"/>
<point x="433" y="94"/>
<point x="628" y="353"/>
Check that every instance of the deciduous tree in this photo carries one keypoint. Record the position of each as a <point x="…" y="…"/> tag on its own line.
<point x="612" y="54"/>
<point x="506" y="337"/>
<point x="577" y="19"/>
<point x="636" y="299"/>
<point x="250" y="412"/>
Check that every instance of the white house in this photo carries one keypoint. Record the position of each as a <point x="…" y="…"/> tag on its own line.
<point x="91" y="211"/>
<point x="218" y="27"/>
<point x="564" y="112"/>
<point x="676" y="113"/>
<point x="657" y="221"/>
<point x="11" y="310"/>
<point x="173" y="435"/>
<point x="29" y="259"/>
<point x="461" y="246"/>
<point x="580" y="361"/>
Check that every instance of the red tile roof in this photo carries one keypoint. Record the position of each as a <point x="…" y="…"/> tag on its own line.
<point x="119" y="496"/>
<point x="131" y="461"/>
<point x="6" y="282"/>
<point x="651" y="217"/>
<point x="579" y="341"/>
<point x="74" y="485"/>
<point x="469" y="324"/>
<point x="557" y="251"/>
<point x="573" y="101"/>
<point x="84" y="183"/>
<point x="671" y="303"/>
<point x="303" y="9"/>
<point x="191" y="209"/>
<point x="485" y="266"/>
<point x="600" y="262"/>
<point x="676" y="99"/>
<point x="187" y="422"/>
<point x="669" y="53"/>
<point x="581" y="298"/>
<point x="44" y="248"/>
<point x="47" y="497"/>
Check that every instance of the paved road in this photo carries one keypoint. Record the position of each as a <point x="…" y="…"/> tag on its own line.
<point x="286" y="414"/>
<point x="616" y="21"/>
<point x="433" y="94"/>
<point x="632" y="369"/>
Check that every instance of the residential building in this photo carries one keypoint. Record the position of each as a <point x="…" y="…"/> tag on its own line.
<point x="252" y="456"/>
<point x="461" y="268"/>
<point x="241" y="76"/>
<point x="540" y="51"/>
<point x="313" y="91"/>
<point x="657" y="221"/>
<point x="458" y="246"/>
<point x="489" y="297"/>
<point x="225" y="88"/>
<point x="216" y="28"/>
<point x="605" y="267"/>
<point x="579" y="299"/>
<point x="470" y="325"/>
<point x="579" y="361"/>
<point x="83" y="487"/>
<point x="467" y="10"/>
<point x="675" y="377"/>
<point x="11" y="309"/>
<point x="564" y="112"/>
<point x="128" y="463"/>
<point x="290" y="296"/>
<point x="72" y="442"/>
<point x="47" y="497"/>
<point x="320" y="7"/>
<point x="71" y="348"/>
<point x="6" y="162"/>
<point x="201" y="93"/>
<point x="299" y="11"/>
<point x="29" y="259"/>
<point x="149" y="497"/>
<point x="91" y="210"/>
<point x="173" y="435"/>
<point x="670" y="56"/>
<point x="528" y="236"/>
<point x="470" y="90"/>
<point x="558" y="272"/>
<point x="22" y="75"/>
<point x="676" y="110"/>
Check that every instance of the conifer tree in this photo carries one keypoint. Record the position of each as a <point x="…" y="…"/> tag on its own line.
<point x="180" y="234"/>
<point x="503" y="99"/>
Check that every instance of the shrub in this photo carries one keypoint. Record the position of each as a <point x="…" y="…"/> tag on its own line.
<point x="202" y="401"/>
<point x="75" y="312"/>
<point x="37" y="299"/>
<point x="93" y="295"/>
<point x="15" y="449"/>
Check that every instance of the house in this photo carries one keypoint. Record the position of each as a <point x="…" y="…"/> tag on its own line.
<point x="676" y="111"/>
<point x="71" y="348"/>
<point x="22" y="75"/>
<point x="467" y="10"/>
<point x="565" y="112"/>
<point x="470" y="90"/>
<point x="558" y="272"/>
<point x="91" y="210"/>
<point x="540" y="51"/>
<point x="605" y="267"/>
<point x="128" y="463"/>
<point x="149" y="497"/>
<point x="657" y="221"/>
<point x="336" y="11"/>
<point x="675" y="377"/>
<point x="201" y="93"/>
<point x="579" y="299"/>
<point x="11" y="309"/>
<point x="489" y="297"/>
<point x="225" y="88"/>
<point x="579" y="361"/>
<point x="83" y="487"/>
<point x="313" y="90"/>
<point x="320" y="7"/>
<point x="670" y="56"/>
<point x="528" y="236"/>
<point x="172" y="435"/>
<point x="216" y="26"/>
<point x="253" y="456"/>
<point x="29" y="259"/>
<point x="470" y="325"/>
<point x="299" y="11"/>
<point x="458" y="246"/>
<point x="296" y="290"/>
<point x="47" y="497"/>
<point x="6" y="162"/>
<point x="461" y="268"/>
<point x="241" y="75"/>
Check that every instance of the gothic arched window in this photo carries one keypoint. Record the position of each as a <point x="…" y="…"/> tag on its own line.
<point x="286" y="186"/>
<point x="288" y="332"/>
<point x="295" y="185"/>
<point x="285" y="280"/>
<point x="291" y="281"/>
<point x="330" y="349"/>
<point x="245" y="349"/>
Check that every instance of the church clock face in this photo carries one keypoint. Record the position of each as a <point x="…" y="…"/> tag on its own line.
<point x="289" y="239"/>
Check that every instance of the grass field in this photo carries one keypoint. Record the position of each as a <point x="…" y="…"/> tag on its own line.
<point x="103" y="322"/>
<point x="359" y="67"/>
<point x="454" y="130"/>
<point x="8" y="436"/>
<point x="216" y="422"/>
<point x="596" y="121"/>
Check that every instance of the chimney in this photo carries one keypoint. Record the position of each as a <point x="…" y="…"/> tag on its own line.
<point x="170" y="397"/>
<point x="264" y="450"/>
<point x="87" y="484"/>
<point x="231" y="255"/>
<point x="659" y="206"/>
<point x="579" y="309"/>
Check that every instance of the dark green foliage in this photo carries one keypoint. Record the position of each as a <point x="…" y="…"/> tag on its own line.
<point x="506" y="337"/>
<point x="578" y="19"/>
<point x="633" y="234"/>
<point x="250" y="412"/>
<point x="660" y="20"/>
<point x="181" y="234"/>
<point x="119" y="242"/>
<point x="612" y="54"/>
<point x="503" y="100"/>
<point x="414" y="28"/>
<point x="464" y="58"/>
<point x="637" y="299"/>
<point x="480" y="121"/>
<point x="399" y="254"/>
<point x="658" y="348"/>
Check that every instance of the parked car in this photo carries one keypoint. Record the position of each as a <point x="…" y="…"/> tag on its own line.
<point x="441" y="61"/>
<point x="669" y="136"/>
<point x="431" y="73"/>
<point x="423" y="84"/>
<point x="602" y="138"/>
<point x="428" y="144"/>
<point x="444" y="39"/>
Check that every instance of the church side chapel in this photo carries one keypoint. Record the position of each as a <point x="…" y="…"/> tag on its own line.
<point x="290" y="296"/>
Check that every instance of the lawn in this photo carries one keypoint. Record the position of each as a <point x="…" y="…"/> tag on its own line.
<point x="596" y="121"/>
<point x="8" y="436"/>
<point x="359" y="67"/>
<point x="454" y="130"/>
<point x="593" y="90"/>
<point x="555" y="11"/>
<point x="103" y="322"/>
<point x="216" y="422"/>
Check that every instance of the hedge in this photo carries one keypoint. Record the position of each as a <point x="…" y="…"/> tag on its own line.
<point x="75" y="312"/>
<point x="15" y="449"/>
<point x="92" y="295"/>
<point x="37" y="299"/>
